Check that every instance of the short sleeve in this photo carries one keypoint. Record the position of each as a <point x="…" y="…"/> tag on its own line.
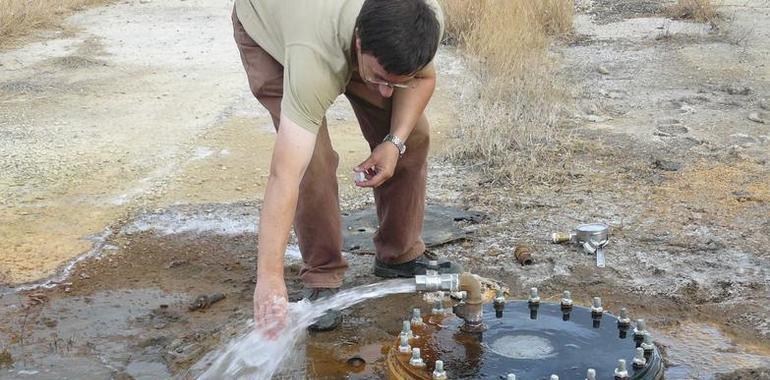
<point x="309" y="87"/>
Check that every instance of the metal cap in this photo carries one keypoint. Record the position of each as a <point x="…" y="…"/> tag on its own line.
<point x="404" y="346"/>
<point x="416" y="360"/>
<point x="621" y="372"/>
<point x="406" y="330"/>
<point x="416" y="317"/>
<point x="439" y="373"/>
<point x="554" y="377"/>
<point x="511" y="377"/>
<point x="591" y="374"/>
<point x="533" y="296"/>
<point x="623" y="317"/>
<point x="647" y="344"/>
<point x="639" y="360"/>
<point x="566" y="299"/>
<point x="596" y="307"/>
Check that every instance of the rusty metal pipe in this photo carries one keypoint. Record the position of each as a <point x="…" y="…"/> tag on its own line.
<point x="471" y="309"/>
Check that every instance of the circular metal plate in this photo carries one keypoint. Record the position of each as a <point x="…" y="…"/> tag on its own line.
<point x="533" y="343"/>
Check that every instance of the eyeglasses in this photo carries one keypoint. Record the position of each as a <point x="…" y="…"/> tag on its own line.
<point x="391" y="85"/>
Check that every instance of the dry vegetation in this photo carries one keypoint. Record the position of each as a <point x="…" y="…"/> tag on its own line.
<point x="698" y="10"/>
<point x="19" y="17"/>
<point x="509" y="117"/>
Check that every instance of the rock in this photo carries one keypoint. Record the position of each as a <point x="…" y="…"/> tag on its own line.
<point x="758" y="118"/>
<point x="203" y="301"/>
<point x="737" y="90"/>
<point x="595" y="118"/>
<point x="145" y="1"/>
<point x="667" y="165"/>
<point x="764" y="104"/>
<point x="743" y="196"/>
<point x="602" y="70"/>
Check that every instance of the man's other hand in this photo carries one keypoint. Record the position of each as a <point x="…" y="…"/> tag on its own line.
<point x="270" y="307"/>
<point x="380" y="165"/>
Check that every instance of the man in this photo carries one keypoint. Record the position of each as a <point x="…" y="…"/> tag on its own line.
<point x="299" y="55"/>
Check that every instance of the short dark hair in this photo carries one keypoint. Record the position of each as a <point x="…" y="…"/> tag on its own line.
<point x="402" y="34"/>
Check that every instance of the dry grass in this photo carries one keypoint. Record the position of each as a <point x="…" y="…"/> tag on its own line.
<point x="698" y="10"/>
<point x="509" y="118"/>
<point x="19" y="17"/>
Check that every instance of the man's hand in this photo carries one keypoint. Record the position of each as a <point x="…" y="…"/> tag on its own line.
<point x="380" y="165"/>
<point x="270" y="306"/>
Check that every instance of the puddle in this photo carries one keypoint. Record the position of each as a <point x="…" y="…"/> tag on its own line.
<point x="699" y="351"/>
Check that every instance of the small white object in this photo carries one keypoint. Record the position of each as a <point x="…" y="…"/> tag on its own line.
<point x="404" y="347"/>
<point x="591" y="374"/>
<point x="360" y="176"/>
<point x="621" y="372"/>
<point x="511" y="377"/>
<point x="416" y="317"/>
<point x="439" y="373"/>
<point x="639" y="360"/>
<point x="554" y="377"/>
<point x="596" y="308"/>
<point x="566" y="299"/>
<point x="416" y="360"/>
<point x="533" y="296"/>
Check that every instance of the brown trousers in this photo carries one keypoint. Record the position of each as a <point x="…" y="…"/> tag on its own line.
<point x="400" y="201"/>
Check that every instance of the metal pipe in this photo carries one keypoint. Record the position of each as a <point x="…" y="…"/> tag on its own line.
<point x="471" y="309"/>
<point x="434" y="282"/>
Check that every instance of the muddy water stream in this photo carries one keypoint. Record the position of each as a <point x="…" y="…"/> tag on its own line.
<point x="255" y="357"/>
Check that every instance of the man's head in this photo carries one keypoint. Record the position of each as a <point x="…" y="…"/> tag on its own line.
<point x="399" y="36"/>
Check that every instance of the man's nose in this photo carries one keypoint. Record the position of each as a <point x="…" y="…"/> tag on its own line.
<point x="386" y="91"/>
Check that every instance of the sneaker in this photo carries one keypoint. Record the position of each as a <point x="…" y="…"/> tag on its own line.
<point x="415" y="267"/>
<point x="332" y="318"/>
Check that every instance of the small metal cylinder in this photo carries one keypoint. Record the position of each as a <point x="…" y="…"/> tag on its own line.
<point x="640" y="329"/>
<point x="416" y="360"/>
<point x="639" y="359"/>
<point x="591" y="374"/>
<point x="647" y="344"/>
<point x="523" y="255"/>
<point x="499" y="296"/>
<point x="434" y="282"/>
<point x="406" y="330"/>
<point x="596" y="307"/>
<point x="621" y="372"/>
<point x="566" y="300"/>
<point x="404" y="346"/>
<point x="511" y="377"/>
<point x="416" y="317"/>
<point x="438" y="372"/>
<point x="623" y="319"/>
<point x="533" y="296"/>
<point x="438" y="308"/>
<point x="554" y="377"/>
<point x="561" y="237"/>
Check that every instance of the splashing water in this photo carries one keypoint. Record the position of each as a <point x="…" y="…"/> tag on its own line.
<point x="251" y="356"/>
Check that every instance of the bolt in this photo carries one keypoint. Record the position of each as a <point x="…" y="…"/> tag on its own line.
<point x="432" y="268"/>
<point x="404" y="347"/>
<point x="640" y="329"/>
<point x="438" y="308"/>
<point x="591" y="374"/>
<point x="566" y="300"/>
<point x="639" y="360"/>
<point x="554" y="377"/>
<point x="647" y="344"/>
<point x="596" y="308"/>
<point x="416" y="360"/>
<point x="417" y="317"/>
<point x="439" y="373"/>
<point x="407" y="330"/>
<point x="623" y="319"/>
<point x="621" y="372"/>
<point x="533" y="297"/>
<point x="511" y="377"/>
<point x="499" y="296"/>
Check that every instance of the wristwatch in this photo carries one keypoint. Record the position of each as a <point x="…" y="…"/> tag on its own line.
<point x="397" y="142"/>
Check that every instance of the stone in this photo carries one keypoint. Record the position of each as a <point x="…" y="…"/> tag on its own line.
<point x="758" y="118"/>
<point x="667" y="165"/>
<point x="602" y="70"/>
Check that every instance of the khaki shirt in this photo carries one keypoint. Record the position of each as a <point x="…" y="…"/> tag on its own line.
<point x="312" y="39"/>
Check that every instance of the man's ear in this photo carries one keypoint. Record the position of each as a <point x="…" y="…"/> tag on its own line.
<point x="358" y="42"/>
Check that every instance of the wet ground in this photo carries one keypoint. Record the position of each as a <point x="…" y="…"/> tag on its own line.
<point x="161" y="189"/>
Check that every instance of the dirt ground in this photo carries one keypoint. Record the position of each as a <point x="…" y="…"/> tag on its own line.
<point x="129" y="140"/>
